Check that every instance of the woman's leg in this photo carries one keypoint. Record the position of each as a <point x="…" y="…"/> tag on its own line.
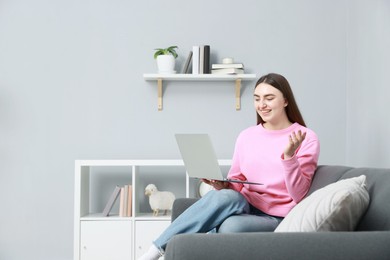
<point x="206" y="214"/>
<point x="249" y="223"/>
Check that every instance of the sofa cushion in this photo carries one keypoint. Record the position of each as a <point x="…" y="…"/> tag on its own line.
<point x="336" y="207"/>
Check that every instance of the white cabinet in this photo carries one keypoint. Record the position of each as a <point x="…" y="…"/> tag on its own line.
<point x="98" y="237"/>
<point x="102" y="240"/>
<point x="145" y="232"/>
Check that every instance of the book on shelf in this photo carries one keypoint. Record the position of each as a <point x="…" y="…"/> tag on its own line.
<point x="227" y="71"/>
<point x="201" y="59"/>
<point x="125" y="205"/>
<point x="125" y="201"/>
<point x="122" y="203"/>
<point x="206" y="59"/>
<point x="129" y="201"/>
<point x="111" y="201"/>
<point x="186" y="66"/>
<point x="195" y="59"/>
<point x="227" y="66"/>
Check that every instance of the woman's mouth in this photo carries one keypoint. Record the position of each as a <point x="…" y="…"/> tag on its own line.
<point x="265" y="111"/>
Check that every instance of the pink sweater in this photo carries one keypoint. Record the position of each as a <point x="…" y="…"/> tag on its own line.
<point x="258" y="157"/>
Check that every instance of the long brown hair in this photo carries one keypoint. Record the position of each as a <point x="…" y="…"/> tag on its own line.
<point x="281" y="83"/>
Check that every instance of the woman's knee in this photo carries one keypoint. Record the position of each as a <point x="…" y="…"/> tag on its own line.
<point x="248" y="223"/>
<point x="232" y="224"/>
<point x="230" y="198"/>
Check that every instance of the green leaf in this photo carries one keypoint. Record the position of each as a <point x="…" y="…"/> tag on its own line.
<point x="170" y="50"/>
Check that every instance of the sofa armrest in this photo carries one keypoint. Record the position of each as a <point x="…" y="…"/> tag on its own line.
<point x="319" y="245"/>
<point x="180" y="205"/>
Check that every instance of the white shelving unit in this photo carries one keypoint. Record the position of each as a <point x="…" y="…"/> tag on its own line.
<point x="237" y="78"/>
<point x="116" y="238"/>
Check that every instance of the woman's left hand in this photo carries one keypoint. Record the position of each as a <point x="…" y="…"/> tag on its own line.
<point x="295" y="140"/>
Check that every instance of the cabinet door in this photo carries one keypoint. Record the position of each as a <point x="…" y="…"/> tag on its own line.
<point x="102" y="240"/>
<point x="146" y="232"/>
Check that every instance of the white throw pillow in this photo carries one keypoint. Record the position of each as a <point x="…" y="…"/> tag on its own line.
<point x="335" y="207"/>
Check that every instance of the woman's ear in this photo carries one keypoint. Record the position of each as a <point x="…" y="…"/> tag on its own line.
<point x="285" y="102"/>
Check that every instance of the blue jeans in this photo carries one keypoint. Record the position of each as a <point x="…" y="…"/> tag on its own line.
<point x="225" y="210"/>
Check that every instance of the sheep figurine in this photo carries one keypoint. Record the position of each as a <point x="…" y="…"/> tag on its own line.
<point x="159" y="200"/>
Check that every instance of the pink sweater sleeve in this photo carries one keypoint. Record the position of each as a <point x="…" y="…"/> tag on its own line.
<point x="299" y="170"/>
<point x="235" y="173"/>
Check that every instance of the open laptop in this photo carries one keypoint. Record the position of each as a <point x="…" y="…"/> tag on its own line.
<point x="200" y="159"/>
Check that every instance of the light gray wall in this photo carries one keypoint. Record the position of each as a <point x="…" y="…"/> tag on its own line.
<point x="368" y="88"/>
<point x="71" y="87"/>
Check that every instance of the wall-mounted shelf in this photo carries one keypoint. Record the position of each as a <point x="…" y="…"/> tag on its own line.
<point x="198" y="77"/>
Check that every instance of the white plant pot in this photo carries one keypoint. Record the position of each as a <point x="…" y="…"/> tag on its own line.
<point x="166" y="64"/>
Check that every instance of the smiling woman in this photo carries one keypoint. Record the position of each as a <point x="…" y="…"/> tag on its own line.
<point x="279" y="88"/>
<point x="279" y="152"/>
<point x="270" y="104"/>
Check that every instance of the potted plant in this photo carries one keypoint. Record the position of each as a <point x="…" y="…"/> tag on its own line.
<point x="166" y="59"/>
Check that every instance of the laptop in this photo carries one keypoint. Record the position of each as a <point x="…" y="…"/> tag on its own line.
<point x="200" y="159"/>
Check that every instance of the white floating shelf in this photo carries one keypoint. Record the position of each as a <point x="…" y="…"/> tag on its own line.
<point x="199" y="77"/>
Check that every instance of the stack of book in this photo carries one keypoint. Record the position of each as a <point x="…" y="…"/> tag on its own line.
<point x="199" y="57"/>
<point x="125" y="201"/>
<point x="227" y="68"/>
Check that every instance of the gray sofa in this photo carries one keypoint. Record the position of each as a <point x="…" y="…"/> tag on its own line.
<point x="371" y="240"/>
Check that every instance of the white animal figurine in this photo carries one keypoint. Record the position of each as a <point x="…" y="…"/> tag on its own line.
<point x="159" y="200"/>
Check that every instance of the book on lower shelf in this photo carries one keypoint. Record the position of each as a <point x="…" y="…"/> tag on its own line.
<point x="227" y="71"/>
<point x="111" y="201"/>
<point x="129" y="201"/>
<point x="125" y="201"/>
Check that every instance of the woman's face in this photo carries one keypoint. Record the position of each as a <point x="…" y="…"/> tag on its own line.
<point x="270" y="104"/>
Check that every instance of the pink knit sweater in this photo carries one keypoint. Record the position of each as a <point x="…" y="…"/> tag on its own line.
<point x="258" y="157"/>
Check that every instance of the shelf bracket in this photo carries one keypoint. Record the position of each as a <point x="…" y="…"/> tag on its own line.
<point x="159" y="94"/>
<point x="238" y="94"/>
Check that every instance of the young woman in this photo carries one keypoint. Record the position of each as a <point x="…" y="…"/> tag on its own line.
<point x="280" y="152"/>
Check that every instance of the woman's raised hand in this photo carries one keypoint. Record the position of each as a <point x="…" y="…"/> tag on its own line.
<point x="295" y="140"/>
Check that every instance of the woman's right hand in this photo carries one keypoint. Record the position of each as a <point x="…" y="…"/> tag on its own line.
<point x="218" y="185"/>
